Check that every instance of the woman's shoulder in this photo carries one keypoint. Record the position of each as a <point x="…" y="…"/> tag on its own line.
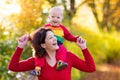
<point x="71" y="58"/>
<point x="31" y="59"/>
<point x="70" y="55"/>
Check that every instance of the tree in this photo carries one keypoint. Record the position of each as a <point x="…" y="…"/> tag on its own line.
<point x="30" y="15"/>
<point x="110" y="10"/>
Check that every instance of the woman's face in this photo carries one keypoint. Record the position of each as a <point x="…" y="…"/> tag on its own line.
<point x="50" y="41"/>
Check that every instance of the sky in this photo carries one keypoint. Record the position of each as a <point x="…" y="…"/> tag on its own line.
<point x="8" y="9"/>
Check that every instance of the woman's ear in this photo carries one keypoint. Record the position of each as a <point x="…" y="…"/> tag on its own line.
<point x="43" y="45"/>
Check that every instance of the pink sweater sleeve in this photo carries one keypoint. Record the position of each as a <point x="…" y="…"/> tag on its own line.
<point x="67" y="35"/>
<point x="19" y="66"/>
<point x="86" y="65"/>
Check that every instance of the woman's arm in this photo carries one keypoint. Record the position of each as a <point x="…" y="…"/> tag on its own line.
<point x="87" y="64"/>
<point x="15" y="63"/>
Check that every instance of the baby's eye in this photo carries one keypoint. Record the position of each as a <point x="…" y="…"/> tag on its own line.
<point x="53" y="16"/>
<point x="58" y="17"/>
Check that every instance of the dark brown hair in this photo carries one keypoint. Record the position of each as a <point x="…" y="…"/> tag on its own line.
<point x="38" y="39"/>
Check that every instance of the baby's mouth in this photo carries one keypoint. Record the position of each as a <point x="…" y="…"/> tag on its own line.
<point x="55" y="22"/>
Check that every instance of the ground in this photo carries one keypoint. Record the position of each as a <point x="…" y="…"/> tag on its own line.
<point x="104" y="72"/>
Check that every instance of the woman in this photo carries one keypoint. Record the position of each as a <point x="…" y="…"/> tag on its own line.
<point x="45" y="45"/>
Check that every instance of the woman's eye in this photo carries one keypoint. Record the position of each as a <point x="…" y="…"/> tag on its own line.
<point x="50" y="38"/>
<point x="58" y="17"/>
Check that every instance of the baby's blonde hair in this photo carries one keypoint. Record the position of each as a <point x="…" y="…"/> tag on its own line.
<point x="56" y="8"/>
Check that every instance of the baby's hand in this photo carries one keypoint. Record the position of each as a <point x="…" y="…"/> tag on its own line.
<point x="22" y="41"/>
<point x="81" y="43"/>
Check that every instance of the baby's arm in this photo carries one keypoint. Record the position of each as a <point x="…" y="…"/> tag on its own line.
<point x="68" y="36"/>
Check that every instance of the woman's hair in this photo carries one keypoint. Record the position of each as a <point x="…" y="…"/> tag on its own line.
<point x="38" y="39"/>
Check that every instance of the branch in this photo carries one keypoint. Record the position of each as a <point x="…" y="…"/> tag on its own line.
<point x="82" y="3"/>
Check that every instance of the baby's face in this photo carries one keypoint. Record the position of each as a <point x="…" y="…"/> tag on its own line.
<point x="55" y="17"/>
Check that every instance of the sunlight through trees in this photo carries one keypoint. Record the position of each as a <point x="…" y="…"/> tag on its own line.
<point x="98" y="21"/>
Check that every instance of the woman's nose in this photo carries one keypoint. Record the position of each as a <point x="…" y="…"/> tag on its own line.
<point x="55" y="38"/>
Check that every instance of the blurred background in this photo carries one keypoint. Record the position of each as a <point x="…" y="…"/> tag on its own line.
<point x="98" y="21"/>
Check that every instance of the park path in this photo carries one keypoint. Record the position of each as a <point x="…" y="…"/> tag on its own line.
<point x="104" y="72"/>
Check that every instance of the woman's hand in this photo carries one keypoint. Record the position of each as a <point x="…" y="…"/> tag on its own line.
<point x="81" y="43"/>
<point x="22" y="41"/>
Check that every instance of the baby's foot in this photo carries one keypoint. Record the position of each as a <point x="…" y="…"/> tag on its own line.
<point x="37" y="70"/>
<point x="61" y="65"/>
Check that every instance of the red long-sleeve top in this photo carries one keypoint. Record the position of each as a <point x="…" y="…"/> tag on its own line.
<point x="49" y="72"/>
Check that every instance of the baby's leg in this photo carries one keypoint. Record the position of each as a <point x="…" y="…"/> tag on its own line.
<point x="39" y="62"/>
<point x="61" y="53"/>
<point x="61" y="57"/>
